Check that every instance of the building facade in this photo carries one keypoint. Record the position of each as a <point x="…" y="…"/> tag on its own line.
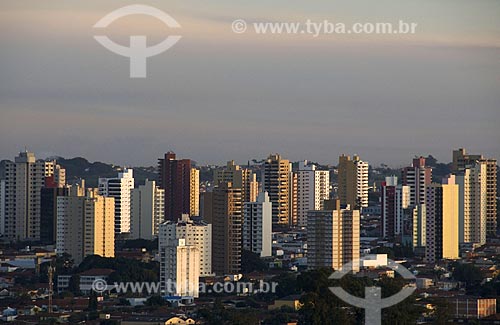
<point x="442" y="221"/>
<point x="24" y="180"/>
<point x="146" y="210"/>
<point x="394" y="201"/>
<point x="85" y="225"/>
<point x="313" y="187"/>
<point x="223" y="209"/>
<point x="120" y="189"/>
<point x="195" y="233"/>
<point x="417" y="176"/>
<point x="179" y="268"/>
<point x="462" y="160"/>
<point x="181" y="185"/>
<point x="257" y="226"/>
<point x="276" y="181"/>
<point x="243" y="178"/>
<point x="333" y="238"/>
<point x="472" y="183"/>
<point x="353" y="182"/>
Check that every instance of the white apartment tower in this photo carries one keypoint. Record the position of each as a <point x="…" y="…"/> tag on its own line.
<point x="257" y="225"/>
<point x="119" y="188"/>
<point x="146" y="210"/>
<point x="418" y="176"/>
<point x="24" y="179"/>
<point x="179" y="268"/>
<point x="472" y="182"/>
<point x="313" y="187"/>
<point x="195" y="233"/>
<point x="362" y="182"/>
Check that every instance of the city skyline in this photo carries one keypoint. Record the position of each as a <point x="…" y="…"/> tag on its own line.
<point x="222" y="162"/>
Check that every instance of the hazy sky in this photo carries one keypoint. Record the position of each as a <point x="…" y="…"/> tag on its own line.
<point x="217" y="95"/>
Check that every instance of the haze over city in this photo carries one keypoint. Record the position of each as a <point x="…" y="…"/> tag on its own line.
<point x="218" y="95"/>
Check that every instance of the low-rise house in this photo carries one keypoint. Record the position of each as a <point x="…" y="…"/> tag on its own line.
<point x="292" y="301"/>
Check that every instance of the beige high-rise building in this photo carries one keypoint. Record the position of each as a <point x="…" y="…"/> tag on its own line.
<point x="353" y="181"/>
<point x="472" y="182"/>
<point x="146" y="210"/>
<point x="223" y="208"/>
<point x="194" y="192"/>
<point x="24" y="179"/>
<point x="85" y="225"/>
<point x="276" y="181"/>
<point x="442" y="221"/>
<point x="333" y="238"/>
<point x="462" y="160"/>
<point x="243" y="178"/>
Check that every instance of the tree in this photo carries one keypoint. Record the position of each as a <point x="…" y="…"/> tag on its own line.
<point x="443" y="311"/>
<point x="467" y="273"/>
<point x="251" y="262"/>
<point x="155" y="301"/>
<point x="384" y="250"/>
<point x="320" y="305"/>
<point x="92" y="302"/>
<point x="74" y="284"/>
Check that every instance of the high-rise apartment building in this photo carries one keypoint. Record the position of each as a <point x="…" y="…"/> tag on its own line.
<point x="2" y="206"/>
<point x="333" y="238"/>
<point x="24" y="180"/>
<point x="293" y="219"/>
<point x="353" y="182"/>
<point x="224" y="210"/>
<point x="48" y="213"/>
<point x="442" y="221"/>
<point x="55" y="175"/>
<point x="313" y="187"/>
<point x="55" y="185"/>
<point x="276" y="179"/>
<point x="243" y="178"/>
<point x="194" y="192"/>
<point x="394" y="201"/>
<point x="257" y="225"/>
<point x="181" y="185"/>
<point x="146" y="210"/>
<point x="472" y="183"/>
<point x="179" y="268"/>
<point x="119" y="188"/>
<point x="462" y="160"/>
<point x="417" y="214"/>
<point x="85" y="225"/>
<point x="417" y="177"/>
<point x="195" y="232"/>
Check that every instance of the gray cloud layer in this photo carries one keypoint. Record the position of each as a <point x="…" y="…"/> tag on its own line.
<point x="217" y="97"/>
